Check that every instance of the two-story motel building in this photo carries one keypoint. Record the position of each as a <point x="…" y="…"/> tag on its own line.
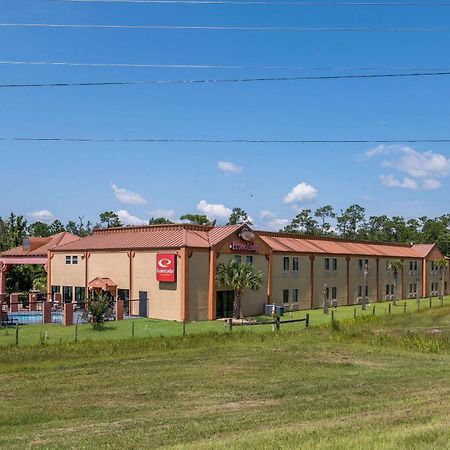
<point x="171" y="269"/>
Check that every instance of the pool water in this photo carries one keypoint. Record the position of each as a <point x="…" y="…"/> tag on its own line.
<point x="33" y="317"/>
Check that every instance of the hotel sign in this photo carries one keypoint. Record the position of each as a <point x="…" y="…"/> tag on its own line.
<point x="166" y="265"/>
<point x="248" y="245"/>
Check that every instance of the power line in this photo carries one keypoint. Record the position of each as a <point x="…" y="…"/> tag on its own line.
<point x="211" y="66"/>
<point x="266" y="3"/>
<point x="216" y="81"/>
<point x="228" y="28"/>
<point x="224" y="141"/>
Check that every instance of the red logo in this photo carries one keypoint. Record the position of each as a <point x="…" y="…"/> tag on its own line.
<point x="166" y="265"/>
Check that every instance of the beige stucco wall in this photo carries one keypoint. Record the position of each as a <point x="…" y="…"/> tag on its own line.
<point x="198" y="285"/>
<point x="113" y="265"/>
<point x="164" y="298"/>
<point x="291" y="280"/>
<point x="252" y="301"/>
<point x="433" y="277"/>
<point x="356" y="279"/>
<point x="333" y="278"/>
<point x="63" y="274"/>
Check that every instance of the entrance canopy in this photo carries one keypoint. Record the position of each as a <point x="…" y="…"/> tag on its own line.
<point x="105" y="284"/>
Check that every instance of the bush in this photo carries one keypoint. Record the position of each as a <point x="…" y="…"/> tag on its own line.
<point x="99" y="309"/>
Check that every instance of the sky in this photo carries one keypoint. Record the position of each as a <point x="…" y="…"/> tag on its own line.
<point x="272" y="182"/>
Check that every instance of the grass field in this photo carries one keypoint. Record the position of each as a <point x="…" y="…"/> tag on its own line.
<point x="377" y="382"/>
<point x="144" y="328"/>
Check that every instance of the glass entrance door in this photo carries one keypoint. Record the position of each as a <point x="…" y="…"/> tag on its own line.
<point x="224" y="304"/>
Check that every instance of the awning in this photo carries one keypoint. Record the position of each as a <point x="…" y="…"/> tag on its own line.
<point x="105" y="284"/>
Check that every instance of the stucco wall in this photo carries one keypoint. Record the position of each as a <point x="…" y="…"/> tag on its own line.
<point x="333" y="278"/>
<point x="198" y="286"/>
<point x="63" y="274"/>
<point x="164" y="298"/>
<point x="291" y="280"/>
<point x="356" y="279"/>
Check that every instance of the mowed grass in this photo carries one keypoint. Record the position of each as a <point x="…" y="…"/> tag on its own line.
<point x="377" y="382"/>
<point x="143" y="328"/>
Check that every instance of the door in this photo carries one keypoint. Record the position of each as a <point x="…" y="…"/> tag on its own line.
<point x="143" y="304"/>
<point x="224" y="304"/>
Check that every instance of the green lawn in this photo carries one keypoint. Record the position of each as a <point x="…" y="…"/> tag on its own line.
<point x="56" y="333"/>
<point x="377" y="382"/>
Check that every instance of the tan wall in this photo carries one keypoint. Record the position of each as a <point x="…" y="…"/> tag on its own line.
<point x="411" y="277"/>
<point x="164" y="298"/>
<point x="435" y="276"/>
<point x="356" y="279"/>
<point x="331" y="278"/>
<point x="63" y="274"/>
<point x="113" y="265"/>
<point x="252" y="301"/>
<point x="198" y="286"/>
<point x="291" y="280"/>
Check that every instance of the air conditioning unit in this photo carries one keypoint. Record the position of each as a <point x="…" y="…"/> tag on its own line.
<point x="359" y="300"/>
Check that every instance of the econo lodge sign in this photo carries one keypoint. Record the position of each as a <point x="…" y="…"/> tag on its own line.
<point x="166" y="265"/>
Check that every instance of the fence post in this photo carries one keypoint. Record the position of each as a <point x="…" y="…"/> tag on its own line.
<point x="277" y="323"/>
<point x="76" y="331"/>
<point x="307" y="320"/>
<point x="373" y="311"/>
<point x="184" y="327"/>
<point x="230" y="325"/>
<point x="132" y="329"/>
<point x="404" y="307"/>
<point x="430" y="300"/>
<point x="332" y="315"/>
<point x="390" y="308"/>
<point x="418" y="304"/>
<point x="17" y="334"/>
<point x="354" y="313"/>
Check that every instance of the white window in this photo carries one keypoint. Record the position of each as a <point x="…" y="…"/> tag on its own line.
<point x="68" y="259"/>
<point x="75" y="259"/>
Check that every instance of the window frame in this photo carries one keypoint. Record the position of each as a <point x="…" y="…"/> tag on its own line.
<point x="286" y="263"/>
<point x="285" y="296"/>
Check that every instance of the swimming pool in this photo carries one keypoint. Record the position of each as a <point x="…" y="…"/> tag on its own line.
<point x="26" y="317"/>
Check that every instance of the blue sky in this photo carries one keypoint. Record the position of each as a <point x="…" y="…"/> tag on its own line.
<point x="69" y="179"/>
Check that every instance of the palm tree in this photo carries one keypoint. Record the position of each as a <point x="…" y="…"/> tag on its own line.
<point x="441" y="264"/>
<point x="395" y="266"/>
<point x="238" y="277"/>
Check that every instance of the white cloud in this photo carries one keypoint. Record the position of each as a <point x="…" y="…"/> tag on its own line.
<point x="303" y="192"/>
<point x="392" y="182"/>
<point x="416" y="165"/>
<point x="166" y="213"/>
<point x="214" y="211"/>
<point x="125" y="196"/>
<point x="42" y="215"/>
<point x="431" y="183"/>
<point x="127" y="219"/>
<point x="226" y="166"/>
<point x="271" y="221"/>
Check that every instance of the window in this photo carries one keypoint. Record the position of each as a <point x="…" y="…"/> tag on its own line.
<point x="334" y="263"/>
<point x="415" y="288"/>
<point x="360" y="291"/>
<point x="68" y="259"/>
<point x="238" y="258"/>
<point x="67" y="294"/>
<point x="411" y="266"/>
<point x="295" y="264"/>
<point x="327" y="263"/>
<point x="415" y="266"/>
<point x="75" y="259"/>
<point x="388" y="289"/>
<point x="55" y="290"/>
<point x="392" y="289"/>
<point x="249" y="260"/>
<point x="445" y="286"/>
<point x="124" y="294"/>
<point x="294" y="295"/>
<point x="410" y="288"/>
<point x="334" y="293"/>
<point x="285" y="295"/>
<point x="327" y="293"/>
<point x="363" y="263"/>
<point x="286" y="263"/>
<point x="79" y="296"/>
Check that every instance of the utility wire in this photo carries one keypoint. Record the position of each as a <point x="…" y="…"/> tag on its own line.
<point x="266" y="3"/>
<point x="228" y="28"/>
<point x="211" y="66"/>
<point x="225" y="141"/>
<point x="229" y="80"/>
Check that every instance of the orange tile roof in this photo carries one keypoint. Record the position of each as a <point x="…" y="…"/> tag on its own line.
<point x="201" y="236"/>
<point x="39" y="246"/>
<point x="423" y="250"/>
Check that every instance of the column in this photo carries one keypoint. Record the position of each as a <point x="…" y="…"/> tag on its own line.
<point x="14" y="302"/>
<point x="184" y="282"/>
<point x="348" y="279"/>
<point x="119" y="309"/>
<point x="32" y="301"/>
<point x="212" y="286"/>
<point x="311" y="258"/>
<point x="68" y="314"/>
<point x="46" y="312"/>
